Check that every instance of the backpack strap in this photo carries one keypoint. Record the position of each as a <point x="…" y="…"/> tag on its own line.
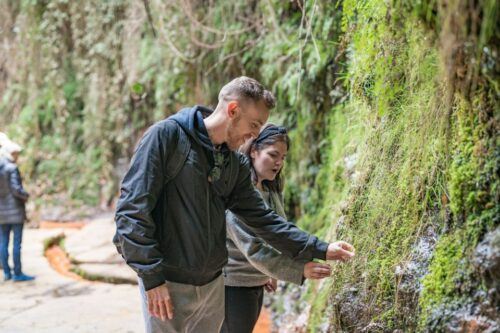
<point x="180" y="154"/>
<point x="234" y="167"/>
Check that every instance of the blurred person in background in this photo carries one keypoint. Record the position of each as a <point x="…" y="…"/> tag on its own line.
<point x="12" y="209"/>
<point x="2" y="139"/>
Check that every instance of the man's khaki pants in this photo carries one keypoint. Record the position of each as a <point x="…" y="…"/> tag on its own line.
<point x="197" y="309"/>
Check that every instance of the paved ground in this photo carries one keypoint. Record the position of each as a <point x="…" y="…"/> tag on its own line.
<point x="55" y="303"/>
<point x="64" y="303"/>
<point x="96" y="255"/>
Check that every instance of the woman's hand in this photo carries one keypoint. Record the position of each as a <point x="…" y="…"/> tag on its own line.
<point x="314" y="270"/>
<point x="271" y="285"/>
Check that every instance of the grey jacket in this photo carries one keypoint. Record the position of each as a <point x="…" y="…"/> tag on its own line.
<point x="175" y="230"/>
<point x="12" y="194"/>
<point x="252" y="261"/>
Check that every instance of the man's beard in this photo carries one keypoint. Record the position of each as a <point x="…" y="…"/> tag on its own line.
<point x="233" y="141"/>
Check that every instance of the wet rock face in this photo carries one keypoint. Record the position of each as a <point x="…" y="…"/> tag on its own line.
<point x="350" y="309"/>
<point x="411" y="272"/>
<point x="354" y="312"/>
<point x="468" y="323"/>
<point x="350" y="163"/>
<point x="487" y="260"/>
<point x="463" y="318"/>
<point x="479" y="311"/>
<point x="288" y="312"/>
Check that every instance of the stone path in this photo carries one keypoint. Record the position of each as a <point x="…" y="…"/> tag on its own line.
<point x="55" y="303"/>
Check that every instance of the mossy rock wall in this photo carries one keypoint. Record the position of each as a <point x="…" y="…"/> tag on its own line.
<point x="393" y="107"/>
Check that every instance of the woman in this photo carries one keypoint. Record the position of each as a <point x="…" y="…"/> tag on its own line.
<point x="12" y="209"/>
<point x="253" y="264"/>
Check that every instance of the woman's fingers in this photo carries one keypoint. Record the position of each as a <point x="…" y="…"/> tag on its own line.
<point x="269" y="287"/>
<point x="322" y="268"/>
<point x="314" y="270"/>
<point x="321" y="272"/>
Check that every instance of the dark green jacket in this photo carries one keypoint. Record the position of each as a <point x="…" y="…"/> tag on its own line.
<point x="175" y="229"/>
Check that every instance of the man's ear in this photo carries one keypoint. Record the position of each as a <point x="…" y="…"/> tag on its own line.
<point x="232" y="109"/>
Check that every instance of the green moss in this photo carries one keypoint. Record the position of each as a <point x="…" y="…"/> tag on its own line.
<point x="441" y="280"/>
<point x="53" y="241"/>
<point x="101" y="278"/>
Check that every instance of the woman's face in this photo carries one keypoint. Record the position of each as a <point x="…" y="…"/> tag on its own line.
<point x="269" y="161"/>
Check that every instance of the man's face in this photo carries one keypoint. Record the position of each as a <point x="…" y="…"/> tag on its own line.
<point x="245" y="123"/>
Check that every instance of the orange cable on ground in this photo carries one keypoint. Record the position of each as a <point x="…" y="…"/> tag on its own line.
<point x="263" y="323"/>
<point x="60" y="262"/>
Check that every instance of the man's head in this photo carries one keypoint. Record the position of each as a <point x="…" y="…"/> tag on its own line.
<point x="245" y="105"/>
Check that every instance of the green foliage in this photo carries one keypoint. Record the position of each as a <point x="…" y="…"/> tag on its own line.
<point x="96" y="74"/>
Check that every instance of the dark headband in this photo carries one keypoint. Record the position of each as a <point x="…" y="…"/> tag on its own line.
<point x="270" y="131"/>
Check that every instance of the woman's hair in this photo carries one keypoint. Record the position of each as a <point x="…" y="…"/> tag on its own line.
<point x="8" y="147"/>
<point x="268" y="136"/>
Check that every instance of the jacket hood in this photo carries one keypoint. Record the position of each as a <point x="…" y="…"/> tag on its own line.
<point x="188" y="119"/>
<point x="4" y="162"/>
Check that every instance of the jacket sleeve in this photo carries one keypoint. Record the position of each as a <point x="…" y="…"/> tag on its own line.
<point x="135" y="228"/>
<point x="260" y="255"/>
<point x="16" y="185"/>
<point x="247" y="204"/>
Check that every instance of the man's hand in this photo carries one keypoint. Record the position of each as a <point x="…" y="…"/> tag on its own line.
<point x="314" y="270"/>
<point x="271" y="285"/>
<point x="160" y="303"/>
<point x="339" y="251"/>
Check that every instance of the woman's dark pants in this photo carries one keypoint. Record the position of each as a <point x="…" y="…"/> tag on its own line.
<point x="242" y="306"/>
<point x="5" y="230"/>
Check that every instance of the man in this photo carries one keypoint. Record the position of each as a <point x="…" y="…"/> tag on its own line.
<point x="171" y="223"/>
